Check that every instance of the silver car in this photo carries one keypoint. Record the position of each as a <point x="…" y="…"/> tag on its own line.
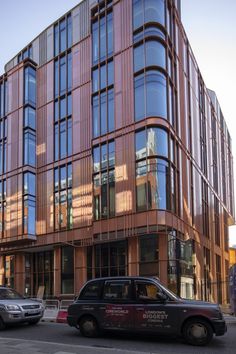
<point x="14" y="308"/>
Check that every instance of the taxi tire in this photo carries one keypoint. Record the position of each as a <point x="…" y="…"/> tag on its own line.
<point x="2" y="324"/>
<point x="190" y="339"/>
<point x="88" y="327"/>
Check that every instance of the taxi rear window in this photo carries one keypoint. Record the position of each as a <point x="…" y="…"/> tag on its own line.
<point x="116" y="290"/>
<point x="92" y="291"/>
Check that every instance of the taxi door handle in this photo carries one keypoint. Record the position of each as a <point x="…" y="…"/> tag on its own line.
<point x="140" y="309"/>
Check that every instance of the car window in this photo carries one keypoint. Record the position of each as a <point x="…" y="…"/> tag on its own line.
<point x="147" y="291"/>
<point x="117" y="290"/>
<point x="91" y="291"/>
<point x="9" y="294"/>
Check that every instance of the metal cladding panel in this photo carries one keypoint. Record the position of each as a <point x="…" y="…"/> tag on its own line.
<point x="76" y="66"/>
<point x="49" y="134"/>
<point x="21" y="87"/>
<point x="41" y="86"/>
<point x="122" y="25"/>
<point x="50" y="43"/>
<point x="124" y="97"/>
<point x="82" y="192"/>
<point x="76" y="25"/>
<point x="81" y="22"/>
<point x="50" y="81"/>
<point x="41" y="150"/>
<point x="43" y="48"/>
<point x="84" y="16"/>
<point x="35" y="50"/>
<point x="13" y="91"/>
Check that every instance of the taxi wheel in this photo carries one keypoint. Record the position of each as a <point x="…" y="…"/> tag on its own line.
<point x="88" y="327"/>
<point x="197" y="331"/>
<point x="2" y="324"/>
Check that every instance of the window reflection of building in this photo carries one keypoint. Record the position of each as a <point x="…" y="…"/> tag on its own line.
<point x="10" y="271"/>
<point x="155" y="170"/>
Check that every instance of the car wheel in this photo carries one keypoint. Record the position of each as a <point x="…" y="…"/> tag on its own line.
<point x="34" y="322"/>
<point x="2" y="324"/>
<point x="88" y="327"/>
<point x="197" y="331"/>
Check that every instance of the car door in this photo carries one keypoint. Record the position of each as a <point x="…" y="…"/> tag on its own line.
<point x="152" y="313"/>
<point x="116" y="308"/>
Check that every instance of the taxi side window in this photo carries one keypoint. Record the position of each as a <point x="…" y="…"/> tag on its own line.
<point x="114" y="290"/>
<point x="92" y="291"/>
<point x="147" y="291"/>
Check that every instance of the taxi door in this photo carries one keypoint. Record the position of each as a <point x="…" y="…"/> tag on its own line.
<point x="116" y="308"/>
<point x="151" y="313"/>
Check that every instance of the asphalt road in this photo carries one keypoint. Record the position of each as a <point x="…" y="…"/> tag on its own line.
<point x="53" y="338"/>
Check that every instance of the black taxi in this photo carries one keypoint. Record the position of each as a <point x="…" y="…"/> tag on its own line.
<point x="143" y="304"/>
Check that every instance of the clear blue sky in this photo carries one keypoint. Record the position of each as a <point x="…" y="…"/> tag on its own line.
<point x="209" y="24"/>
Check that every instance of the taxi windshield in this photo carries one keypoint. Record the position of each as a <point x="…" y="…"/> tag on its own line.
<point x="9" y="294"/>
<point x="172" y="295"/>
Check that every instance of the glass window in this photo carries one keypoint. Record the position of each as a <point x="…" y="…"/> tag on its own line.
<point x="69" y="105"/>
<point x="154" y="11"/>
<point x="111" y="120"/>
<point x="63" y="177"/>
<point x="56" y="141"/>
<point x="56" y="179"/>
<point x="69" y="71"/>
<point x="95" y="36"/>
<point x="139" y="62"/>
<point x="29" y="215"/>
<point x="56" y="78"/>
<point x="141" y="186"/>
<point x="117" y="290"/>
<point x="69" y="175"/>
<point x="155" y="54"/>
<point x="95" y="80"/>
<point x="67" y="270"/>
<point x="29" y="148"/>
<point x="69" y="31"/>
<point x="63" y="142"/>
<point x="103" y="77"/>
<point x="30" y="86"/>
<point x="56" y="40"/>
<point x="56" y="111"/>
<point x="139" y="97"/>
<point x="96" y="125"/>
<point x="141" y="144"/>
<point x="138" y="17"/>
<point x="62" y="107"/>
<point x="69" y="137"/>
<point x="103" y="38"/>
<point x="156" y="94"/>
<point x="62" y="75"/>
<point x="110" y="70"/>
<point x="157" y="142"/>
<point x="29" y="117"/>
<point x="111" y="153"/>
<point x="109" y="34"/>
<point x="29" y="183"/>
<point x="103" y="112"/>
<point x="148" y="250"/>
<point x="147" y="291"/>
<point x="63" y="35"/>
<point x="92" y="291"/>
<point x="96" y="159"/>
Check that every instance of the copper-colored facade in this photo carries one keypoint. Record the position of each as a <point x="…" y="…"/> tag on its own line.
<point x="191" y="238"/>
